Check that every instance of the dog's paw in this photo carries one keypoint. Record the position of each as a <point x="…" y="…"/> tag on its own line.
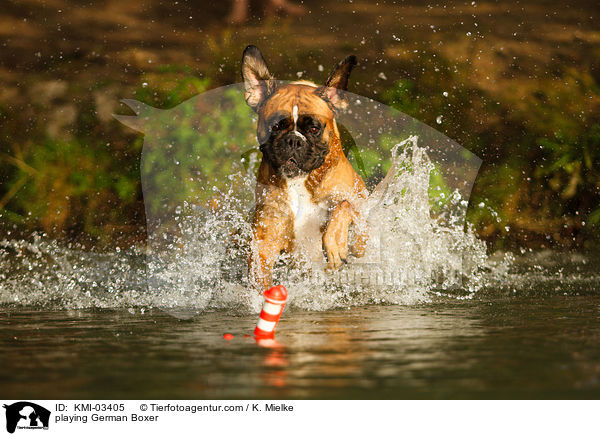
<point x="359" y="245"/>
<point x="335" y="241"/>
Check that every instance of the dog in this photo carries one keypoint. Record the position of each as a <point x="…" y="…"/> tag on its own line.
<point x="307" y="193"/>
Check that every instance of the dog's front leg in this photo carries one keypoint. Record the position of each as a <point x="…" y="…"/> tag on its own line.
<point x="335" y="237"/>
<point x="271" y="235"/>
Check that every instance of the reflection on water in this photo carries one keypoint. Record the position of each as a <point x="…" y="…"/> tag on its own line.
<point x="518" y="347"/>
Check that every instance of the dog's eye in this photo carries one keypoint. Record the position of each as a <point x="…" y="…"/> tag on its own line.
<point x="275" y="127"/>
<point x="314" y="130"/>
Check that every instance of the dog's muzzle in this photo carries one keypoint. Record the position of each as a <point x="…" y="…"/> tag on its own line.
<point x="296" y="148"/>
<point x="295" y="141"/>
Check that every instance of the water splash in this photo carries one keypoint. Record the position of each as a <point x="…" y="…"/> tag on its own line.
<point x="414" y="253"/>
<point x="411" y="252"/>
<point x="49" y="274"/>
<point x="197" y="251"/>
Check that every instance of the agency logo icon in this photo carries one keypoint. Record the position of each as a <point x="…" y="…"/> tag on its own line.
<point x="26" y="415"/>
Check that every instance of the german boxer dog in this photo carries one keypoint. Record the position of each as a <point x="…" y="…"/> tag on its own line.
<point x="307" y="194"/>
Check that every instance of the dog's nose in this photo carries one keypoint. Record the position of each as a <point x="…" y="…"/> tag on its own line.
<point x="294" y="142"/>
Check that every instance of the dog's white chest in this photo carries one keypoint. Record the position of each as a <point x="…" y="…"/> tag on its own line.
<point x="308" y="218"/>
<point x="300" y="201"/>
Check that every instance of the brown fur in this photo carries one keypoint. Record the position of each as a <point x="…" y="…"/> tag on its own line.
<point x="335" y="184"/>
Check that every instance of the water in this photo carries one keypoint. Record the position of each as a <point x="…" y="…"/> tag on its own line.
<point x="535" y="334"/>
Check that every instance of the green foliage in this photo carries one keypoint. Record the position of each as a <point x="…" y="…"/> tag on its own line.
<point x="194" y="147"/>
<point x="539" y="179"/>
<point x="169" y="86"/>
<point x="403" y="96"/>
<point x="540" y="153"/>
<point x="439" y="191"/>
<point x="571" y="160"/>
<point x="71" y="184"/>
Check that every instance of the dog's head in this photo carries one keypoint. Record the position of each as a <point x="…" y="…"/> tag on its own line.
<point x="295" y="121"/>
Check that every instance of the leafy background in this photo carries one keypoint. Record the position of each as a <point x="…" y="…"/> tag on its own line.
<point x="516" y="83"/>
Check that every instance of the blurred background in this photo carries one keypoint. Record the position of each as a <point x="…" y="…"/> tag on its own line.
<point x="515" y="82"/>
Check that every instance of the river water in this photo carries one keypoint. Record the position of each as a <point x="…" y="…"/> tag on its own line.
<point x="534" y="333"/>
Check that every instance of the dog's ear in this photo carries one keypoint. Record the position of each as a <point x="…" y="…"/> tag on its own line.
<point x="258" y="81"/>
<point x="338" y="82"/>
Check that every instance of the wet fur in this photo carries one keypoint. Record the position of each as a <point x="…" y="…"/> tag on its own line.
<point x="307" y="193"/>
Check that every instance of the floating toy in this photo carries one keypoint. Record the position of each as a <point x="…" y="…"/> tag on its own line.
<point x="275" y="299"/>
<point x="227" y="336"/>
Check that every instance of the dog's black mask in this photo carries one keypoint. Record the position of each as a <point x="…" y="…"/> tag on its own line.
<point x="294" y="150"/>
